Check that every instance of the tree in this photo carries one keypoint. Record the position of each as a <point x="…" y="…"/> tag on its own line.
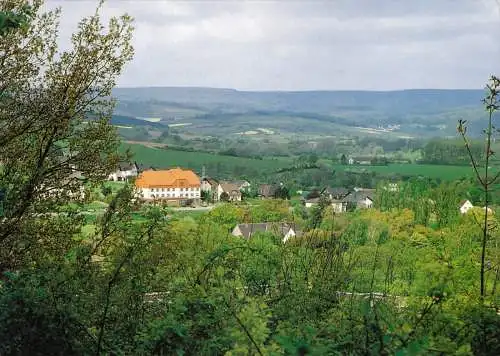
<point x="15" y="19"/>
<point x="485" y="180"/>
<point x="282" y="193"/>
<point x="315" y="193"/>
<point x="106" y="190"/>
<point x="312" y="159"/>
<point x="206" y="196"/>
<point x="343" y="160"/>
<point x="224" y="197"/>
<point x="54" y="118"/>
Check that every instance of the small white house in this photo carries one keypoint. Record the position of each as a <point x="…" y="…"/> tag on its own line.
<point x="124" y="172"/>
<point x="339" y="206"/>
<point x="465" y="206"/>
<point x="284" y="230"/>
<point x="366" y="203"/>
<point x="309" y="203"/>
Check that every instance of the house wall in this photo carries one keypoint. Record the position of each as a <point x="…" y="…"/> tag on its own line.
<point x="205" y="186"/>
<point x="237" y="232"/>
<point x="122" y="175"/>
<point x="339" y="207"/>
<point x="219" y="191"/>
<point x="367" y="203"/>
<point x="289" y="234"/>
<point x="466" y="207"/>
<point x="235" y="196"/>
<point x="169" y="193"/>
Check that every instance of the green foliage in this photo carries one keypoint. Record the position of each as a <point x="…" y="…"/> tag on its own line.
<point x="13" y="20"/>
<point x="141" y="279"/>
<point x="224" y="197"/>
<point x="216" y="165"/>
<point x="452" y="152"/>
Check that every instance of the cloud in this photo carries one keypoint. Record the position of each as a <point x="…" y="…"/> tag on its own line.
<point x="294" y="45"/>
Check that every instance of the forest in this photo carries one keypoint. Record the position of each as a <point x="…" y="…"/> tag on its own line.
<point x="411" y="276"/>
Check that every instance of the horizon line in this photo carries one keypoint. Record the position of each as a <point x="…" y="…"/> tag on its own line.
<point x="293" y="91"/>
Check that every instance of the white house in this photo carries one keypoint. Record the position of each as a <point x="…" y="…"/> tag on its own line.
<point x="208" y="184"/>
<point x="283" y="230"/>
<point x="175" y="186"/>
<point x="465" y="206"/>
<point x="309" y="203"/>
<point x="360" y="199"/>
<point x="124" y="172"/>
<point x="339" y="206"/>
<point x="231" y="189"/>
<point x="243" y="185"/>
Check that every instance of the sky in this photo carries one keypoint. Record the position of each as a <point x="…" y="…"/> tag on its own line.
<point x="305" y="44"/>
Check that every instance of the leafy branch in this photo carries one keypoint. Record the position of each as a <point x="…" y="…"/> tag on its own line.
<point x="492" y="105"/>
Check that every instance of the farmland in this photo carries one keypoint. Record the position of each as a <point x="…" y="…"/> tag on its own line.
<point x="443" y="172"/>
<point x="228" y="166"/>
<point x="214" y="164"/>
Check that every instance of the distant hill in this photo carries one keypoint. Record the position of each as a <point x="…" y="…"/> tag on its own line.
<point x="121" y="120"/>
<point x="423" y="111"/>
<point x="402" y="101"/>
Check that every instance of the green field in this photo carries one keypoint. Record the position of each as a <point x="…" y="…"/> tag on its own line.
<point x="234" y="167"/>
<point x="443" y="172"/>
<point x="215" y="164"/>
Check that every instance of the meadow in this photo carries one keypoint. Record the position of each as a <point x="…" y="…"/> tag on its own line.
<point x="444" y="172"/>
<point x="232" y="167"/>
<point x="226" y="165"/>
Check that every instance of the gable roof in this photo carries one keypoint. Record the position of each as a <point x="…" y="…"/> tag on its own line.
<point x="230" y="187"/>
<point x="282" y="229"/>
<point x="210" y="181"/>
<point x="337" y="191"/>
<point x="312" y="200"/>
<point x="355" y="197"/>
<point x="127" y="166"/>
<point x="462" y="202"/>
<point x="176" y="177"/>
<point x="239" y="183"/>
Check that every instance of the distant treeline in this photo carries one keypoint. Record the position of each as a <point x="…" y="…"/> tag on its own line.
<point x="452" y="152"/>
<point x="132" y="121"/>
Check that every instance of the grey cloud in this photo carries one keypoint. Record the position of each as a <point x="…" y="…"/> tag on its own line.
<point x="339" y="44"/>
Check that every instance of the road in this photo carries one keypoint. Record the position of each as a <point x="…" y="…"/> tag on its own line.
<point x="198" y="208"/>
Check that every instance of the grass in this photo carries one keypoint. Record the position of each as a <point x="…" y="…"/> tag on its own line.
<point x="166" y="158"/>
<point x="427" y="170"/>
<point x="115" y="186"/>
<point x="238" y="166"/>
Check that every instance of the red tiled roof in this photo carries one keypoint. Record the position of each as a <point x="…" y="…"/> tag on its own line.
<point x="176" y="177"/>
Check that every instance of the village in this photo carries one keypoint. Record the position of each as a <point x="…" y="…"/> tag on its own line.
<point x="181" y="188"/>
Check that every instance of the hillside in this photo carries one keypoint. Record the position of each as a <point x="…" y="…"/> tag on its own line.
<point x="215" y="165"/>
<point x="208" y="110"/>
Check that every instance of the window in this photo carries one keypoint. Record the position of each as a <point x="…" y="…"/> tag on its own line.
<point x="163" y="195"/>
<point x="192" y="194"/>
